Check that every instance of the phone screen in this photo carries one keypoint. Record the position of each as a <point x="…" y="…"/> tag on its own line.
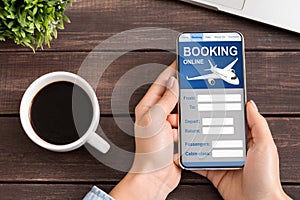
<point x="212" y="100"/>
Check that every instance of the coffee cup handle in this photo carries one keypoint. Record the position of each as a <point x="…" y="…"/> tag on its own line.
<point x="98" y="143"/>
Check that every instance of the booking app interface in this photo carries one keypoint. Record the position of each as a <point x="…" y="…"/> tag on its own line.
<point x="212" y="115"/>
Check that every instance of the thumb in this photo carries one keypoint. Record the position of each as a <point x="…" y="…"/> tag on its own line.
<point x="170" y="98"/>
<point x="258" y="125"/>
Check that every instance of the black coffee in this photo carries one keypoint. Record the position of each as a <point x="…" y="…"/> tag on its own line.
<point x="61" y="112"/>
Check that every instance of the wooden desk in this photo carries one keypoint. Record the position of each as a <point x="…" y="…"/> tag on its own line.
<point x="30" y="172"/>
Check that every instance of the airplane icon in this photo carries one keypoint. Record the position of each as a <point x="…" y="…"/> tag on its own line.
<point x="227" y="74"/>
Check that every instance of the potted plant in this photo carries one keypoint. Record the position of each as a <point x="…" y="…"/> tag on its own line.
<point x="32" y="23"/>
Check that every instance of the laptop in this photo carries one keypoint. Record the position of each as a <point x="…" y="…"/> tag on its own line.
<point x="281" y="13"/>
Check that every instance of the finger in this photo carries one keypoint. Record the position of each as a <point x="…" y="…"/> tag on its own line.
<point x="158" y="88"/>
<point x="152" y="96"/>
<point x="202" y="172"/>
<point x="176" y="159"/>
<point x="175" y="138"/>
<point x="173" y="120"/>
<point x="175" y="134"/>
<point x="258" y="126"/>
<point x="215" y="176"/>
<point x="170" y="98"/>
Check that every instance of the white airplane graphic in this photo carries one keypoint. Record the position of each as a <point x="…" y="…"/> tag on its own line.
<point x="227" y="74"/>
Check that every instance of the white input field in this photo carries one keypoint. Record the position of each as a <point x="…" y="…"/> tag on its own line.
<point x="227" y="144"/>
<point x="227" y="153"/>
<point x="218" y="130"/>
<point x="216" y="121"/>
<point x="219" y="106"/>
<point x="219" y="97"/>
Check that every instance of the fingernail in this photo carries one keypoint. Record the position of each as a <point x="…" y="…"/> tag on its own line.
<point x="170" y="82"/>
<point x="254" y="105"/>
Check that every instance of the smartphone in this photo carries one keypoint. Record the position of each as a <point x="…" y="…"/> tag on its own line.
<point x="212" y="97"/>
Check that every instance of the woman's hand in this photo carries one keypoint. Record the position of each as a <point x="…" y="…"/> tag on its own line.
<point x="259" y="179"/>
<point x="153" y="174"/>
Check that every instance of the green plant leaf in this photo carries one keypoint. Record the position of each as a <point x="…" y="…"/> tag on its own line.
<point x="34" y="11"/>
<point x="22" y="33"/>
<point x="9" y="25"/>
<point x="66" y="19"/>
<point x="60" y="25"/>
<point x="55" y="33"/>
<point x="38" y="26"/>
<point x="10" y="16"/>
<point x="32" y="23"/>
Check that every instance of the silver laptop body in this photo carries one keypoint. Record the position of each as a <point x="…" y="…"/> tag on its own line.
<point x="281" y="13"/>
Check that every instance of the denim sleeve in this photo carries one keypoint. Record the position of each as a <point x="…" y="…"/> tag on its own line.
<point x="97" y="194"/>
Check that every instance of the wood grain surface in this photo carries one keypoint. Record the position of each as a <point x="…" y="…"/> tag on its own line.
<point x="271" y="81"/>
<point x="94" y="21"/>
<point x="22" y="160"/>
<point x="30" y="172"/>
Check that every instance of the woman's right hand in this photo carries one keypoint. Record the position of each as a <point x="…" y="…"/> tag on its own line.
<point x="259" y="179"/>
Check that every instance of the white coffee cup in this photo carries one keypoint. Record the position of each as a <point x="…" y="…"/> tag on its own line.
<point x="90" y="136"/>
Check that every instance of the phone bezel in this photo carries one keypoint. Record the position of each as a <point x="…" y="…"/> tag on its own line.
<point x="245" y="100"/>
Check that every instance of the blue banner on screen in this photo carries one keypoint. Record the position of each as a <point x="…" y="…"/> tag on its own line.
<point x="203" y="58"/>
